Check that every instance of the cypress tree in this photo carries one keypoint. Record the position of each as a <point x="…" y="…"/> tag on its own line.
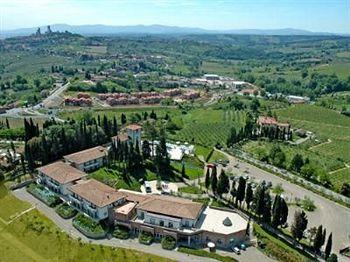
<point x="299" y="225"/>
<point x="223" y="183"/>
<point x="328" y="248"/>
<point x="183" y="171"/>
<point x="214" y="180"/>
<point x="318" y="241"/>
<point x="248" y="195"/>
<point x="207" y="179"/>
<point x="240" y="190"/>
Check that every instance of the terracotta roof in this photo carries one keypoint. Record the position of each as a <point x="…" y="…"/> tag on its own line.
<point x="87" y="155"/>
<point x="61" y="172"/>
<point x="96" y="192"/>
<point x="267" y="120"/>
<point x="134" y="127"/>
<point x="125" y="209"/>
<point x="172" y="206"/>
<point x="121" y="137"/>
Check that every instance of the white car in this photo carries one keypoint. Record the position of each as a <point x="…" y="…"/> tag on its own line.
<point x="236" y="250"/>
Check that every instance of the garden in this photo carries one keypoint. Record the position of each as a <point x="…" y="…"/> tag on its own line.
<point x="206" y="254"/>
<point x="66" y="211"/>
<point x="43" y="194"/>
<point x="88" y="226"/>
<point x="146" y="238"/>
<point x="168" y="243"/>
<point x="121" y="232"/>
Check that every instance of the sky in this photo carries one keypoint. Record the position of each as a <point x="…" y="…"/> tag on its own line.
<point x="314" y="15"/>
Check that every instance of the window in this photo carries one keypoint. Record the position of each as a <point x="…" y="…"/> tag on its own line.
<point x="142" y="215"/>
<point x="171" y="225"/>
<point x="161" y="223"/>
<point x="152" y="221"/>
<point x="187" y="224"/>
<point x="219" y="241"/>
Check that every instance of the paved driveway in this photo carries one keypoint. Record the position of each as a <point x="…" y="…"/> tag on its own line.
<point x="335" y="217"/>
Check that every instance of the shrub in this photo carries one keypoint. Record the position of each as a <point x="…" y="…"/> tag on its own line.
<point x="66" y="211"/>
<point x="121" y="232"/>
<point x="43" y="194"/>
<point x="146" y="238"/>
<point x="88" y="226"/>
<point x="168" y="243"/>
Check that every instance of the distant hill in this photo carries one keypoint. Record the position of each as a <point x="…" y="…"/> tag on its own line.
<point x="100" y="30"/>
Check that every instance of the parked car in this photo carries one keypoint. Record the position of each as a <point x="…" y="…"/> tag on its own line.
<point x="242" y="247"/>
<point x="236" y="250"/>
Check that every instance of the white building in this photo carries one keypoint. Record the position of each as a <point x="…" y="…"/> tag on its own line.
<point x="59" y="176"/>
<point x="89" y="159"/>
<point x="95" y="198"/>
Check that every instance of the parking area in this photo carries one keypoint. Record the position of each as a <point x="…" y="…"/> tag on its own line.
<point x="162" y="187"/>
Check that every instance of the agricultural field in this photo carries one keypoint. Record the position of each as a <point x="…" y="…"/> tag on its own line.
<point x="262" y="148"/>
<point x="207" y="126"/>
<point x="331" y="128"/>
<point x="339" y="177"/>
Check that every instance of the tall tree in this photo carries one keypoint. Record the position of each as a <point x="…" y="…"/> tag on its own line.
<point x="241" y="190"/>
<point x="146" y="149"/>
<point x="248" y="195"/>
<point x="207" y="178"/>
<point x="183" y="171"/>
<point x="328" y="248"/>
<point x="297" y="162"/>
<point x="299" y="225"/>
<point x="318" y="240"/>
<point x="223" y="183"/>
<point x="214" y="180"/>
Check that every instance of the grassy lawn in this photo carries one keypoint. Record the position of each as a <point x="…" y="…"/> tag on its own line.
<point x="209" y="67"/>
<point x="339" y="177"/>
<point x="9" y="205"/>
<point x="202" y="152"/>
<point x="190" y="190"/>
<point x="216" y="156"/>
<point x="193" y="167"/>
<point x="33" y="237"/>
<point x="278" y="249"/>
<point x="204" y="253"/>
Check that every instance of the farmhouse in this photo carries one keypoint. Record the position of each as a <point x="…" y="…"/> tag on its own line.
<point x="59" y="176"/>
<point x="266" y="124"/>
<point x="89" y="159"/>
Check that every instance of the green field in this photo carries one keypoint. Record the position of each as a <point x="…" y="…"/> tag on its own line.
<point x="219" y="68"/>
<point x="342" y="70"/>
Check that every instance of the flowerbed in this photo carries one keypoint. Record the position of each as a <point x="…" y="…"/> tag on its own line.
<point x="88" y="226"/>
<point x="66" y="211"/>
<point x="43" y="194"/>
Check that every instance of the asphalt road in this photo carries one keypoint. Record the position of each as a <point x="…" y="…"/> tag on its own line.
<point x="335" y="217"/>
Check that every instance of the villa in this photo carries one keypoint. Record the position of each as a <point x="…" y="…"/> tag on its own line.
<point x="89" y="159"/>
<point x="59" y="176"/>
<point x="94" y="198"/>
